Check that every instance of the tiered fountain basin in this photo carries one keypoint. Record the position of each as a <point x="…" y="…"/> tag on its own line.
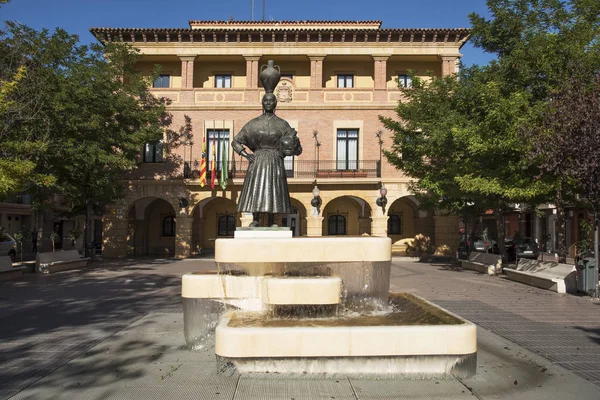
<point x="320" y="305"/>
<point x="417" y="339"/>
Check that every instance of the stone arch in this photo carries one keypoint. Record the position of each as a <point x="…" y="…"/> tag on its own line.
<point x="151" y="227"/>
<point x="412" y="221"/>
<point x="354" y="211"/>
<point x="301" y="219"/>
<point x="206" y="214"/>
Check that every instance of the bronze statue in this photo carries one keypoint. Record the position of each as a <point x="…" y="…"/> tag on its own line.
<point x="270" y="139"/>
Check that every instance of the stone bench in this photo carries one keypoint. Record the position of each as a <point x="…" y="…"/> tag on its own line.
<point x="485" y="263"/>
<point x="7" y="271"/>
<point x="549" y="275"/>
<point x="59" y="261"/>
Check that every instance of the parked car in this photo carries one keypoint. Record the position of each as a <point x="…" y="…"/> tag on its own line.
<point x="528" y="248"/>
<point x="8" y="246"/>
<point x="484" y="245"/>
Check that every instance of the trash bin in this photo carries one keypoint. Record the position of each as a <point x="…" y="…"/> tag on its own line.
<point x="586" y="274"/>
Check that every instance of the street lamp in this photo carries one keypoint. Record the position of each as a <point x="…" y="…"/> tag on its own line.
<point x="382" y="201"/>
<point x="316" y="200"/>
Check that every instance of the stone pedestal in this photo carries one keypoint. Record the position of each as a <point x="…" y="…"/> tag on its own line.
<point x="379" y="225"/>
<point x="314" y="226"/>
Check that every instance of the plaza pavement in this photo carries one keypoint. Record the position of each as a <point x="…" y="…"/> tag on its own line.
<point x="114" y="331"/>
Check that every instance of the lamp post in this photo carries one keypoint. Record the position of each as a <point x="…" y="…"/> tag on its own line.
<point x="382" y="200"/>
<point x="317" y="146"/>
<point x="316" y="200"/>
<point x="379" y="133"/>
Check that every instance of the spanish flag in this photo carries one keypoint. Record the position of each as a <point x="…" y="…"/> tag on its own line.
<point x="213" y="164"/>
<point x="203" y="164"/>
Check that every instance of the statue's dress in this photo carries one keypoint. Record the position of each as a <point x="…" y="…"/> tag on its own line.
<point x="265" y="186"/>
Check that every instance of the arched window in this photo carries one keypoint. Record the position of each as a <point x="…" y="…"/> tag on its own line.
<point x="226" y="225"/>
<point x="168" y="226"/>
<point x="336" y="225"/>
<point x="395" y="224"/>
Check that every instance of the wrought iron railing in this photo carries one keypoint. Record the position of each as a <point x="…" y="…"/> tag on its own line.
<point x="298" y="169"/>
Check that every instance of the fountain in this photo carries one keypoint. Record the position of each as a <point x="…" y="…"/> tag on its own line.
<point x="311" y="305"/>
<point x="320" y="306"/>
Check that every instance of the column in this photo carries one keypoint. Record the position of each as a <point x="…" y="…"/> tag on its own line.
<point x="364" y="225"/>
<point x="183" y="236"/>
<point x="379" y="225"/>
<point x="252" y="71"/>
<point x="187" y="71"/>
<point x="447" y="235"/>
<point x="380" y="71"/>
<point x="314" y="225"/>
<point x="448" y="65"/>
<point x="114" y="235"/>
<point x="316" y="72"/>
<point x="140" y="239"/>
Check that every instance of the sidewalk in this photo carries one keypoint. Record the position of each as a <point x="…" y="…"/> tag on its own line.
<point x="115" y="331"/>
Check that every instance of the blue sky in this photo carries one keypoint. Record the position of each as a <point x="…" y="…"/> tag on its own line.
<point x="78" y="16"/>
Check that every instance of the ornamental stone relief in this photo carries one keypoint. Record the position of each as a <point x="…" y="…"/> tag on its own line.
<point x="284" y="92"/>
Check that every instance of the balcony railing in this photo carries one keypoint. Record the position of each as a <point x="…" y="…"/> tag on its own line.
<point x="310" y="169"/>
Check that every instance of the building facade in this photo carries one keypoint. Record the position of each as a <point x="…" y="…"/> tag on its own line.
<point x="338" y="78"/>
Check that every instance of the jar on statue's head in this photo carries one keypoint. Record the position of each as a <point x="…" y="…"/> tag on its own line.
<point x="269" y="76"/>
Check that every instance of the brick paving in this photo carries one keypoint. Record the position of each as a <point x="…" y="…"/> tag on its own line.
<point x="48" y="320"/>
<point x="564" y="329"/>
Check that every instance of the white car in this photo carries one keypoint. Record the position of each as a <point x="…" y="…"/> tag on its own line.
<point x="8" y="246"/>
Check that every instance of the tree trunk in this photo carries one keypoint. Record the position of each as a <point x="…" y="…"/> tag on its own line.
<point x="596" y="255"/>
<point x="499" y="217"/>
<point x="86" y="231"/>
<point x="562" y="227"/>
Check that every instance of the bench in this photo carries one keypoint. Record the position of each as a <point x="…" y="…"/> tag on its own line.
<point x="7" y="271"/>
<point x="485" y="263"/>
<point x="59" y="261"/>
<point x="550" y="275"/>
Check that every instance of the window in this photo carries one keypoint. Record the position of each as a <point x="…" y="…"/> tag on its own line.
<point x="289" y="76"/>
<point x="345" y="81"/>
<point x="222" y="81"/>
<point x="347" y="149"/>
<point x="336" y="225"/>
<point x="163" y="81"/>
<point x="168" y="226"/>
<point x="395" y="224"/>
<point x="226" y="225"/>
<point x="219" y="136"/>
<point x="404" y="81"/>
<point x="288" y="162"/>
<point x="153" y="152"/>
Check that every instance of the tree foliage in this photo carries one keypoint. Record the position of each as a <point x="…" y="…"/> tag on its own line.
<point x="76" y="119"/>
<point x="568" y="141"/>
<point x="461" y="138"/>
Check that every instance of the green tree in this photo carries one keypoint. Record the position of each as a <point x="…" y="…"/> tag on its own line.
<point x="537" y="42"/>
<point x="80" y="117"/>
<point x="459" y="138"/>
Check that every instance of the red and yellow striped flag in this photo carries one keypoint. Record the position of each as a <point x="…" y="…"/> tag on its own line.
<point x="203" y="164"/>
<point x="213" y="164"/>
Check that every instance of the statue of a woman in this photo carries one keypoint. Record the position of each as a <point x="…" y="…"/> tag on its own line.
<point x="270" y="139"/>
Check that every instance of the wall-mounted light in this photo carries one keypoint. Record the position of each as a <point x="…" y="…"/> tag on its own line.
<point x="316" y="200"/>
<point x="183" y="202"/>
<point x="382" y="201"/>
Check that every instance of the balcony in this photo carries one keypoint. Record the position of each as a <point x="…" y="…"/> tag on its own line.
<point x="300" y="169"/>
